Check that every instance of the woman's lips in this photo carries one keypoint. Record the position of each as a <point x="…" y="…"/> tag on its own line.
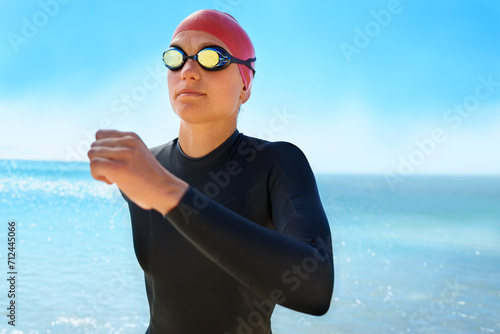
<point x="189" y="92"/>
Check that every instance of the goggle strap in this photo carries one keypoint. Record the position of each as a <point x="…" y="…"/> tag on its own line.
<point x="247" y="63"/>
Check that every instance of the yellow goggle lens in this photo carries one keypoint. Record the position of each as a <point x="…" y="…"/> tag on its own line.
<point x="173" y="58"/>
<point x="208" y="58"/>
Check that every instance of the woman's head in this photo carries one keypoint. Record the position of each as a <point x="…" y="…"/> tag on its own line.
<point x="228" y="30"/>
<point x="200" y="94"/>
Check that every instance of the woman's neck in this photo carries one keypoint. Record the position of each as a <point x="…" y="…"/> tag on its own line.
<point x="197" y="140"/>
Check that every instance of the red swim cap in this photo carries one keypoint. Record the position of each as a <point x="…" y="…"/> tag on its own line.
<point x="228" y="30"/>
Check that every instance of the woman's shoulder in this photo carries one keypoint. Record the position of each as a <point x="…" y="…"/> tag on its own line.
<point x="277" y="151"/>
<point x="282" y="160"/>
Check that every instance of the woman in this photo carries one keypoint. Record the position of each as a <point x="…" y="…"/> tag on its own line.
<point x="225" y="226"/>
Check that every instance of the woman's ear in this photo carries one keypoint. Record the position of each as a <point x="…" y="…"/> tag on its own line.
<point x="245" y="94"/>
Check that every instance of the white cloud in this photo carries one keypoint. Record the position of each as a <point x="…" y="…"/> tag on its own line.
<point x="355" y="143"/>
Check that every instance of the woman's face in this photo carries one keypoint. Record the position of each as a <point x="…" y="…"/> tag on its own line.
<point x="201" y="96"/>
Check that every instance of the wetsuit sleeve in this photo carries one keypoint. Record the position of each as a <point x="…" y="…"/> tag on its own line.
<point x="291" y="265"/>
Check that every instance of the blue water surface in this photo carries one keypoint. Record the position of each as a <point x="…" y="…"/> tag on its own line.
<point x="422" y="257"/>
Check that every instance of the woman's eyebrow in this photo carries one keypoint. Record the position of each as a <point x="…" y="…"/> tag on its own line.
<point x="175" y="46"/>
<point x="204" y="45"/>
<point x="200" y="47"/>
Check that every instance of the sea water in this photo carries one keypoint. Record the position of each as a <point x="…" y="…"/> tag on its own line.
<point x="422" y="256"/>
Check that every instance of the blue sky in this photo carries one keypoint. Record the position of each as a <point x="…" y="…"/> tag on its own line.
<point x="390" y="87"/>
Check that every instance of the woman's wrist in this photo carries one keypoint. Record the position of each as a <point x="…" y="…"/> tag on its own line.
<point x="171" y="193"/>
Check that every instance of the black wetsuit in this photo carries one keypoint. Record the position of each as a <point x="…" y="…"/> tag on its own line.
<point x="249" y="233"/>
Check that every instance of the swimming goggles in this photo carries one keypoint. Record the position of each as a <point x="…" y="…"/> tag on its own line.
<point x="210" y="58"/>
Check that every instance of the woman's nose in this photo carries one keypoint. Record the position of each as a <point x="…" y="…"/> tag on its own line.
<point x="191" y="70"/>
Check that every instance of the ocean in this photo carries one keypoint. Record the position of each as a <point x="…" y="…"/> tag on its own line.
<point x="422" y="257"/>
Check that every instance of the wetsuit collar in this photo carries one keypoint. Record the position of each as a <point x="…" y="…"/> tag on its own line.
<point x="210" y="156"/>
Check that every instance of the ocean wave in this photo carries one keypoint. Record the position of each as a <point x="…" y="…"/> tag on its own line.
<point x="20" y="187"/>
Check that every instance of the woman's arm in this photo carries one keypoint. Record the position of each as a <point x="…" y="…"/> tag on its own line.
<point x="294" y="261"/>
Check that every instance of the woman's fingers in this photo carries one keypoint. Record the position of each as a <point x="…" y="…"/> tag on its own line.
<point x="102" y="134"/>
<point x="118" y="141"/>
<point x="116" y="156"/>
<point x="123" y="158"/>
<point x="107" y="152"/>
<point x="113" y="150"/>
<point x="99" y="167"/>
